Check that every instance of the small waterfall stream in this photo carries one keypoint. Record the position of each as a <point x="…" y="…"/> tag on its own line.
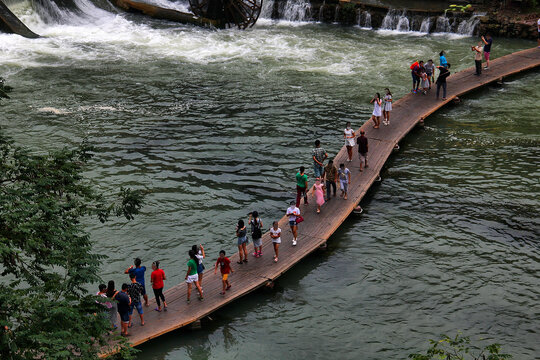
<point x="363" y="19"/>
<point x="296" y="10"/>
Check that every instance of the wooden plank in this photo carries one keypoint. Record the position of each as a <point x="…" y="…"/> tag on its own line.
<point x="317" y="228"/>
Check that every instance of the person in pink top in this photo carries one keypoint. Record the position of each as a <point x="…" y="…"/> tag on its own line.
<point x="318" y="193"/>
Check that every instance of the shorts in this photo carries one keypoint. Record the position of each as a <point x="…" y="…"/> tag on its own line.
<point x="429" y="74"/>
<point x="317" y="170"/>
<point x="200" y="268"/>
<point x="363" y="157"/>
<point x="138" y="306"/>
<point x="124" y="316"/>
<point x="415" y="77"/>
<point x="344" y="184"/>
<point x="242" y="240"/>
<point x="486" y="55"/>
<point x="292" y="223"/>
<point x="143" y="292"/>
<point x="192" y="278"/>
<point x="224" y="277"/>
<point x="276" y="241"/>
<point x="257" y="242"/>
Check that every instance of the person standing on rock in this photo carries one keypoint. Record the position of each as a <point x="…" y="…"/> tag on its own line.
<point x="478" y="58"/>
<point x="319" y="155"/>
<point x="348" y="135"/>
<point x="488" y="40"/>
<point x="444" y="72"/>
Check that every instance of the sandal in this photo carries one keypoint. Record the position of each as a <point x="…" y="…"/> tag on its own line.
<point x="239" y="262"/>
<point x="222" y="293"/>
<point x="228" y="287"/>
<point x="158" y="310"/>
<point x="245" y="260"/>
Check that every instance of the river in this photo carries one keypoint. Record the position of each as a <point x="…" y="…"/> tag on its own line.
<point x="213" y="125"/>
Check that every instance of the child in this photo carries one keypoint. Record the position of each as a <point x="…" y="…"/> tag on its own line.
<point x="124" y="303"/>
<point x="256" y="233"/>
<point x="275" y="234"/>
<point x="344" y="179"/>
<point x="425" y="82"/>
<point x="241" y="234"/>
<point x="376" y="115"/>
<point x="430" y="71"/>
<point x="318" y="193"/>
<point x="192" y="277"/>
<point x="199" y="254"/>
<point x="225" y="268"/>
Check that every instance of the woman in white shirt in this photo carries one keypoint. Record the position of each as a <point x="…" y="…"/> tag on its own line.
<point x="349" y="136"/>
<point x="376" y="116"/>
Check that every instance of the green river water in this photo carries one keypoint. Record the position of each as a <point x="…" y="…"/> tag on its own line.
<point x="214" y="123"/>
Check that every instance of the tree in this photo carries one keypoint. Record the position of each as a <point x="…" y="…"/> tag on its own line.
<point x="459" y="348"/>
<point x="46" y="257"/>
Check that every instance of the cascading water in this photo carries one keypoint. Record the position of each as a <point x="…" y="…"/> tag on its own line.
<point x="443" y="24"/>
<point x="296" y="10"/>
<point x="396" y="20"/>
<point x="364" y="19"/>
<point x="467" y="27"/>
<point x="426" y="25"/>
<point x="267" y="9"/>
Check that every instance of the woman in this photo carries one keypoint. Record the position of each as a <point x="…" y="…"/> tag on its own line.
<point x="157" y="277"/>
<point x="349" y="136"/>
<point x="192" y="277"/>
<point x="275" y="234"/>
<point x="113" y="309"/>
<point x="387" y="106"/>
<point x="318" y="193"/>
<point x="241" y="234"/>
<point x="256" y="233"/>
<point x="376" y="116"/>
<point x="199" y="254"/>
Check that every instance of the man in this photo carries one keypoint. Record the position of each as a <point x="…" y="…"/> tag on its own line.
<point x="444" y="72"/>
<point x="301" y="186"/>
<point x="362" y="149"/>
<point x="330" y="175"/>
<point x="139" y="271"/>
<point x="135" y="290"/>
<point x="478" y="57"/>
<point x="124" y="303"/>
<point x="416" y="74"/>
<point x="487" y="48"/>
<point x="319" y="155"/>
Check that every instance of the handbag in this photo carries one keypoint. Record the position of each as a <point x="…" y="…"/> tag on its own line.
<point x="299" y="219"/>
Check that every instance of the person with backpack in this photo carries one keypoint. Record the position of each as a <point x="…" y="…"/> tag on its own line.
<point x="415" y="73"/>
<point x="134" y="291"/>
<point x="256" y="233"/>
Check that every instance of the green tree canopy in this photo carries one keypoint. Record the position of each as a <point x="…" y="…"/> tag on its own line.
<point x="46" y="257"/>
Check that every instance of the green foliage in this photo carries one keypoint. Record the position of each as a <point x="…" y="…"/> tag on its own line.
<point x="462" y="8"/>
<point x="459" y="348"/>
<point x="46" y="255"/>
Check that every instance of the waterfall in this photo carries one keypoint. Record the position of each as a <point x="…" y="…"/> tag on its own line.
<point x="467" y="27"/>
<point x="443" y="24"/>
<point x="321" y="11"/>
<point x="364" y="19"/>
<point x="395" y="20"/>
<point x="426" y="25"/>
<point x="267" y="9"/>
<point x="336" y="14"/>
<point x="297" y="10"/>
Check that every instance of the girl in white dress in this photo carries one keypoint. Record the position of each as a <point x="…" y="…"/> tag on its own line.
<point x="376" y="116"/>
<point x="349" y="136"/>
<point x="387" y="107"/>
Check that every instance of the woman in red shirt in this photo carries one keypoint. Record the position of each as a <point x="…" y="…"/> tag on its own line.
<point x="157" y="277"/>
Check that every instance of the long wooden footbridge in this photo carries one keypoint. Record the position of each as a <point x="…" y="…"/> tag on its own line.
<point x="317" y="228"/>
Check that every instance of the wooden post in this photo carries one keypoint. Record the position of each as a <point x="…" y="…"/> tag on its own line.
<point x="196" y="325"/>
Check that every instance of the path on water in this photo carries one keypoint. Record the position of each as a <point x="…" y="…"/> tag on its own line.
<point x="316" y="229"/>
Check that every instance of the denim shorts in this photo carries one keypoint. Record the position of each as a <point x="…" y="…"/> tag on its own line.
<point x="137" y="306"/>
<point x="292" y="222"/>
<point x="257" y="242"/>
<point x="242" y="240"/>
<point x="124" y="316"/>
<point x="318" y="170"/>
<point x="200" y="268"/>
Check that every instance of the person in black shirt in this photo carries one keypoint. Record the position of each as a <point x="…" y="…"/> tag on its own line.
<point x="362" y="148"/>
<point x="124" y="303"/>
<point x="487" y="48"/>
<point x="441" y="80"/>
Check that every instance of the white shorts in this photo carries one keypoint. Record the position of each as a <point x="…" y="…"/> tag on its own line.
<point x="192" y="278"/>
<point x="277" y="241"/>
<point x="344" y="184"/>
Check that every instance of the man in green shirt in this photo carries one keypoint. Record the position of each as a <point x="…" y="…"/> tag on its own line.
<point x="301" y="186"/>
<point x="192" y="277"/>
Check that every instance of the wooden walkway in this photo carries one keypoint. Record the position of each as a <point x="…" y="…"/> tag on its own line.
<point x="316" y="229"/>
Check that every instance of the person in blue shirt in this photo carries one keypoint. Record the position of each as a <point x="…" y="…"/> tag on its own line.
<point x="442" y="60"/>
<point x="139" y="271"/>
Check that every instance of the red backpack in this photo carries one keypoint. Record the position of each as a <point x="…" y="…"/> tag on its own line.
<point x="414" y="65"/>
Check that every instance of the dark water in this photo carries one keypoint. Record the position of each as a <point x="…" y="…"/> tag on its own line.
<point x="213" y="125"/>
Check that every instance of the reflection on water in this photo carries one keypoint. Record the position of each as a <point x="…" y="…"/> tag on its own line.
<point x="214" y="123"/>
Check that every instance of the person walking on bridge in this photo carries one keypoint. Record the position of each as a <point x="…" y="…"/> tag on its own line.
<point x="301" y="186"/>
<point x="319" y="155"/>
<point x="275" y="234"/>
<point x="241" y="234"/>
<point x="387" y="107"/>
<point x="157" y="277"/>
<point x="376" y="115"/>
<point x="362" y="149"/>
<point x="200" y="255"/>
<point x="318" y="193"/>
<point x="330" y="175"/>
<point x="256" y="233"/>
<point x="192" y="277"/>
<point x="444" y="72"/>
<point x="293" y="212"/>
<point x="348" y="135"/>
<point x="488" y="41"/>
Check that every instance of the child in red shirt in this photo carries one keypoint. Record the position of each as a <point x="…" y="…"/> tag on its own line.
<point x="226" y="269"/>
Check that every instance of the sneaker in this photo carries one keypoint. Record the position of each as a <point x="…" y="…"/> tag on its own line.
<point x="486" y="68"/>
<point x="260" y="253"/>
<point x="294" y="242"/>
<point x="255" y="254"/>
<point x="275" y="258"/>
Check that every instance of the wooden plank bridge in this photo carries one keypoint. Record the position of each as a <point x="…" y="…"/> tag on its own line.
<point x="317" y="228"/>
